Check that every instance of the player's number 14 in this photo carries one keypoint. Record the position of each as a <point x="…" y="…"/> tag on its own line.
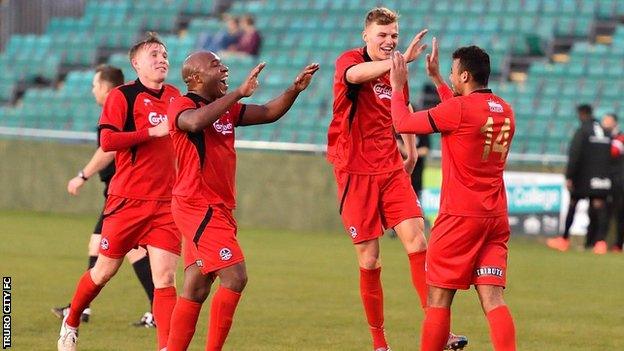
<point x="501" y="144"/>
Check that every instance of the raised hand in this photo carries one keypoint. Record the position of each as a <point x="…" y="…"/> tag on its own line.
<point x="250" y="84"/>
<point x="305" y="77"/>
<point x="398" y="72"/>
<point x="415" y="48"/>
<point x="432" y="62"/>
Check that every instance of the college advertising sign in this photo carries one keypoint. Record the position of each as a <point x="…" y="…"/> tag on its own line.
<point x="536" y="201"/>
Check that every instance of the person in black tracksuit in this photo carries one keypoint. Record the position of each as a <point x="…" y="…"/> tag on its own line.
<point x="588" y="176"/>
<point x="610" y="124"/>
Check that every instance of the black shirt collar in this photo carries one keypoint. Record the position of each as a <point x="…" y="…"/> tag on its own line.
<point x="150" y="91"/>
<point x="197" y="98"/>
<point x="367" y="57"/>
<point x="482" y="91"/>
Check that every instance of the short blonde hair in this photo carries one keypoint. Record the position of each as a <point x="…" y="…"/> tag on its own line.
<point x="150" y="38"/>
<point x="381" y="16"/>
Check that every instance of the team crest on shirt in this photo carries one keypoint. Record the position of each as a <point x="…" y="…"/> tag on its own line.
<point x="104" y="244"/>
<point x="156" y="118"/>
<point x="383" y="91"/>
<point x="224" y="127"/>
<point x="491" y="271"/>
<point x="495" y="106"/>
<point x="147" y="102"/>
<point x="199" y="263"/>
<point x="353" y="232"/>
<point x="225" y="254"/>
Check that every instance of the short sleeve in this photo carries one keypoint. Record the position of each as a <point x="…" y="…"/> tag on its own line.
<point x="176" y="107"/>
<point x="446" y="116"/>
<point x="346" y="61"/>
<point x="115" y="111"/>
<point x="238" y="110"/>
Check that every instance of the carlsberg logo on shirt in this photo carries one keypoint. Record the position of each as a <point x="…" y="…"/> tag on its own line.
<point x="156" y="118"/>
<point x="224" y="128"/>
<point x="383" y="91"/>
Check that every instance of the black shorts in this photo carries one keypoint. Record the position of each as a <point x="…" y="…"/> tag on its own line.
<point x="98" y="226"/>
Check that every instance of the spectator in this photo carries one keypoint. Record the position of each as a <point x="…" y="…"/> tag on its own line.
<point x="587" y="176"/>
<point x="610" y="124"/>
<point x="250" y="41"/>
<point x="224" y="39"/>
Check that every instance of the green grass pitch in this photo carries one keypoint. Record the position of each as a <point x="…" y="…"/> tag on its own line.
<point x="303" y="294"/>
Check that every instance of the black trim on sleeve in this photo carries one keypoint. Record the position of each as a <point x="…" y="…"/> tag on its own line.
<point x="239" y="122"/>
<point x="202" y="226"/>
<point x="107" y="126"/>
<point x="130" y="92"/>
<point x="433" y="125"/>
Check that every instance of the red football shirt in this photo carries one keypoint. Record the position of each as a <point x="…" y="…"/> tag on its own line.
<point x="145" y="171"/>
<point x="477" y="130"/>
<point x="360" y="137"/>
<point x="206" y="160"/>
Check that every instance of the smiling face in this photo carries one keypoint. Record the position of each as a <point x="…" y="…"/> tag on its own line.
<point x="151" y="63"/>
<point x="206" y="74"/>
<point x="381" y="40"/>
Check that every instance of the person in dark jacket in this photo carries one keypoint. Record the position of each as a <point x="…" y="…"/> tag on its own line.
<point x="610" y="124"/>
<point x="588" y="176"/>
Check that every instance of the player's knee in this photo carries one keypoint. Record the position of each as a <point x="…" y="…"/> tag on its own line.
<point x="102" y="275"/>
<point x="490" y="297"/>
<point x="369" y="262"/>
<point x="196" y="293"/>
<point x="235" y="282"/>
<point x="163" y="278"/>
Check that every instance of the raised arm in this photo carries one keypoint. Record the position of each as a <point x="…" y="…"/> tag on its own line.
<point x="432" y="65"/>
<point x="366" y="71"/>
<point x="445" y="117"/>
<point x="98" y="162"/>
<point x="276" y="108"/>
<point x="195" y="120"/>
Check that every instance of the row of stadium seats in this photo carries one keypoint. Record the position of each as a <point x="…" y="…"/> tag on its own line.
<point x="299" y="32"/>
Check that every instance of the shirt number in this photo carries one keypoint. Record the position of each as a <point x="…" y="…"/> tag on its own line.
<point x="501" y="144"/>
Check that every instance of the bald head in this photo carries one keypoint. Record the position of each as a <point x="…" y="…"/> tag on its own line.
<point x="195" y="63"/>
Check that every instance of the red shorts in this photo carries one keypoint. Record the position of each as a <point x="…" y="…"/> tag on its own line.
<point x="370" y="203"/>
<point x="209" y="233"/>
<point x="467" y="250"/>
<point x="129" y="223"/>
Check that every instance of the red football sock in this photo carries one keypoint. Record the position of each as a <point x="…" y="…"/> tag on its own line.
<point x="502" y="329"/>
<point x="164" y="302"/>
<point x="417" y="267"/>
<point x="222" y="310"/>
<point x="86" y="291"/>
<point x="436" y="328"/>
<point x="372" y="298"/>
<point x="183" y="322"/>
